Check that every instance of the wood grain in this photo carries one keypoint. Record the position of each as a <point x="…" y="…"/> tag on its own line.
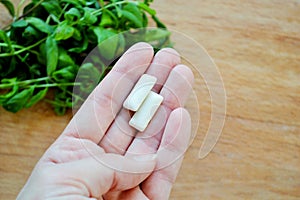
<point x="256" y="45"/>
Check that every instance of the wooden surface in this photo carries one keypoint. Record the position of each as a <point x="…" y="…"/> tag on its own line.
<point x="256" y="45"/>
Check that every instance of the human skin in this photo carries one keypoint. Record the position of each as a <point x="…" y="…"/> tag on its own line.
<point x="99" y="156"/>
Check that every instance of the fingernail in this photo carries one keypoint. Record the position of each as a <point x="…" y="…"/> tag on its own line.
<point x="146" y="157"/>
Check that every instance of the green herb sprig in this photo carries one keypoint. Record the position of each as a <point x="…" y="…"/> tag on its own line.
<point x="44" y="48"/>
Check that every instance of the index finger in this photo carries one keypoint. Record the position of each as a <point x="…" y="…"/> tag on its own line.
<point x="99" y="110"/>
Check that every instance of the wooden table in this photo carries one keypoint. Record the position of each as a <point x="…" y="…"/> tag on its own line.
<point x="256" y="45"/>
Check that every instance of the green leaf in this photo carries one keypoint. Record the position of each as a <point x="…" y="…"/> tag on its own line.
<point x="66" y="74"/>
<point x="8" y="80"/>
<point x="156" y="34"/>
<point x="72" y="15"/>
<point x="51" y="55"/>
<point x="147" y="2"/>
<point x="134" y="37"/>
<point x="82" y="46"/>
<point x="61" y="102"/>
<point x="5" y="38"/>
<point x="88" y="17"/>
<point x="121" y="45"/>
<point x="132" y="8"/>
<point x="108" y="42"/>
<point x="106" y="18"/>
<point x="35" y="70"/>
<point x="64" y="59"/>
<point x="74" y="3"/>
<point x="12" y="91"/>
<point x="88" y="2"/>
<point x="64" y="31"/>
<point x="102" y="33"/>
<point x="119" y="11"/>
<point x="77" y="35"/>
<point x="6" y="71"/>
<point x="9" y="6"/>
<point x="109" y="47"/>
<point x="136" y="22"/>
<point x="42" y="57"/>
<point x="146" y="8"/>
<point x="39" y="24"/>
<point x="19" y="100"/>
<point x="89" y="77"/>
<point x="19" y="23"/>
<point x="36" y="98"/>
<point x="55" y="18"/>
<point x="31" y="33"/>
<point x="88" y="70"/>
<point x="52" y="7"/>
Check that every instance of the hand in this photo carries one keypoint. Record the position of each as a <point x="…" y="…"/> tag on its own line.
<point x="99" y="156"/>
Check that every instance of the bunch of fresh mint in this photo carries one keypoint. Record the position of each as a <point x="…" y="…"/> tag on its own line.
<point x="43" y="49"/>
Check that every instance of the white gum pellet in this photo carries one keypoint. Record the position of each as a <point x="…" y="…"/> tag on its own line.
<point x="145" y="113"/>
<point x="139" y="92"/>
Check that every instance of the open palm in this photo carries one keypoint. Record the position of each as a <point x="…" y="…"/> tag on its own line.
<point x="99" y="156"/>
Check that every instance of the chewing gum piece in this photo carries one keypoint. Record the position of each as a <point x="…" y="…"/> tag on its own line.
<point x="145" y="113"/>
<point x="139" y="93"/>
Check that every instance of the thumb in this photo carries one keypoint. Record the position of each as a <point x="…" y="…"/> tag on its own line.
<point x="109" y="172"/>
